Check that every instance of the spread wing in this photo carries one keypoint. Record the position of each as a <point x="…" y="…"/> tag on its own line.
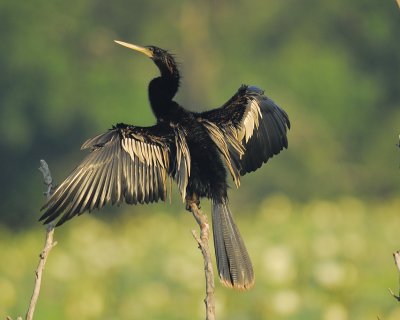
<point x="127" y="163"/>
<point x="248" y="130"/>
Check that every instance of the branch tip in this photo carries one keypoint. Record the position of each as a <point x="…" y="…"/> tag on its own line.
<point x="48" y="245"/>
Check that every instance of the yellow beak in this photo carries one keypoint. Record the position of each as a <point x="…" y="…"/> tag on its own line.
<point x="144" y="50"/>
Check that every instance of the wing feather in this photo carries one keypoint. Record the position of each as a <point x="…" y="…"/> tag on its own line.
<point x="127" y="163"/>
<point x="252" y="121"/>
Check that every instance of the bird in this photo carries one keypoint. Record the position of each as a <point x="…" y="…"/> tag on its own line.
<point x="197" y="150"/>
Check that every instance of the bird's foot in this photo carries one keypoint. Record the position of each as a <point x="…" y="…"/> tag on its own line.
<point x="193" y="199"/>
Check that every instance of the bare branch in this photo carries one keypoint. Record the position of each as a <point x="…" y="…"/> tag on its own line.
<point x="48" y="180"/>
<point x="202" y="241"/>
<point x="396" y="257"/>
<point x="398" y="144"/>
<point x="398" y="3"/>
<point x="48" y="245"/>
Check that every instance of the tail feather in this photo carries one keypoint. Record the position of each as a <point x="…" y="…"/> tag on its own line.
<point x="233" y="261"/>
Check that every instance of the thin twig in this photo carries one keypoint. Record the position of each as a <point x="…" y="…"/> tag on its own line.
<point x="398" y="144"/>
<point x="9" y="318"/>
<point x="396" y="257"/>
<point x="48" y="245"/>
<point x="202" y="241"/>
<point x="398" y="3"/>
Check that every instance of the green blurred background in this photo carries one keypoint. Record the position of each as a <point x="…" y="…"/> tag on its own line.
<point x="320" y="220"/>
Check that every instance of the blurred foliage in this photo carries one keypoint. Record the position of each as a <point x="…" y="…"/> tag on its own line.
<point x="332" y="65"/>
<point x="317" y="260"/>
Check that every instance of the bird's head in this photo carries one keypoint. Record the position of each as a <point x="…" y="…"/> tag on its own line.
<point x="162" y="58"/>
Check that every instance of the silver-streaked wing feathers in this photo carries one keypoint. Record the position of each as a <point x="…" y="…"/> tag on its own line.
<point x="127" y="163"/>
<point x="254" y="129"/>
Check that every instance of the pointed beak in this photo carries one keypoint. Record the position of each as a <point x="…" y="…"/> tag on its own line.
<point x="144" y="50"/>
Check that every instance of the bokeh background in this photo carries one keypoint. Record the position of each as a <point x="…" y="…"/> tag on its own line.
<point x="320" y="220"/>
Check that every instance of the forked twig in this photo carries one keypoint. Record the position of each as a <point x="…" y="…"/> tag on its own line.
<point x="48" y="245"/>
<point x="202" y="241"/>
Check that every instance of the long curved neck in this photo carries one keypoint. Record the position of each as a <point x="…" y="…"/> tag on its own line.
<point x="162" y="90"/>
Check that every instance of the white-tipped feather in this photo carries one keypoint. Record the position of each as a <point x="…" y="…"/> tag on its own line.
<point x="124" y="165"/>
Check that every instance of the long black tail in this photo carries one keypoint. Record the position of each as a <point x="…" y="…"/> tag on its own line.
<point x="234" y="264"/>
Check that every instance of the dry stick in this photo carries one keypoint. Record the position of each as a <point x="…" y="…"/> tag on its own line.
<point x="398" y="144"/>
<point x="48" y="245"/>
<point x="398" y="3"/>
<point x="202" y="221"/>
<point x="396" y="257"/>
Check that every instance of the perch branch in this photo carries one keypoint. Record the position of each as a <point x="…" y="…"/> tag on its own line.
<point x="396" y="257"/>
<point x="398" y="3"/>
<point x="202" y="241"/>
<point x="48" y="245"/>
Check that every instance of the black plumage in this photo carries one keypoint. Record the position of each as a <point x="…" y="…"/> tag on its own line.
<point x="132" y="164"/>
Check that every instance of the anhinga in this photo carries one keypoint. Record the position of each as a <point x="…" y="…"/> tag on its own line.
<point x="132" y="164"/>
